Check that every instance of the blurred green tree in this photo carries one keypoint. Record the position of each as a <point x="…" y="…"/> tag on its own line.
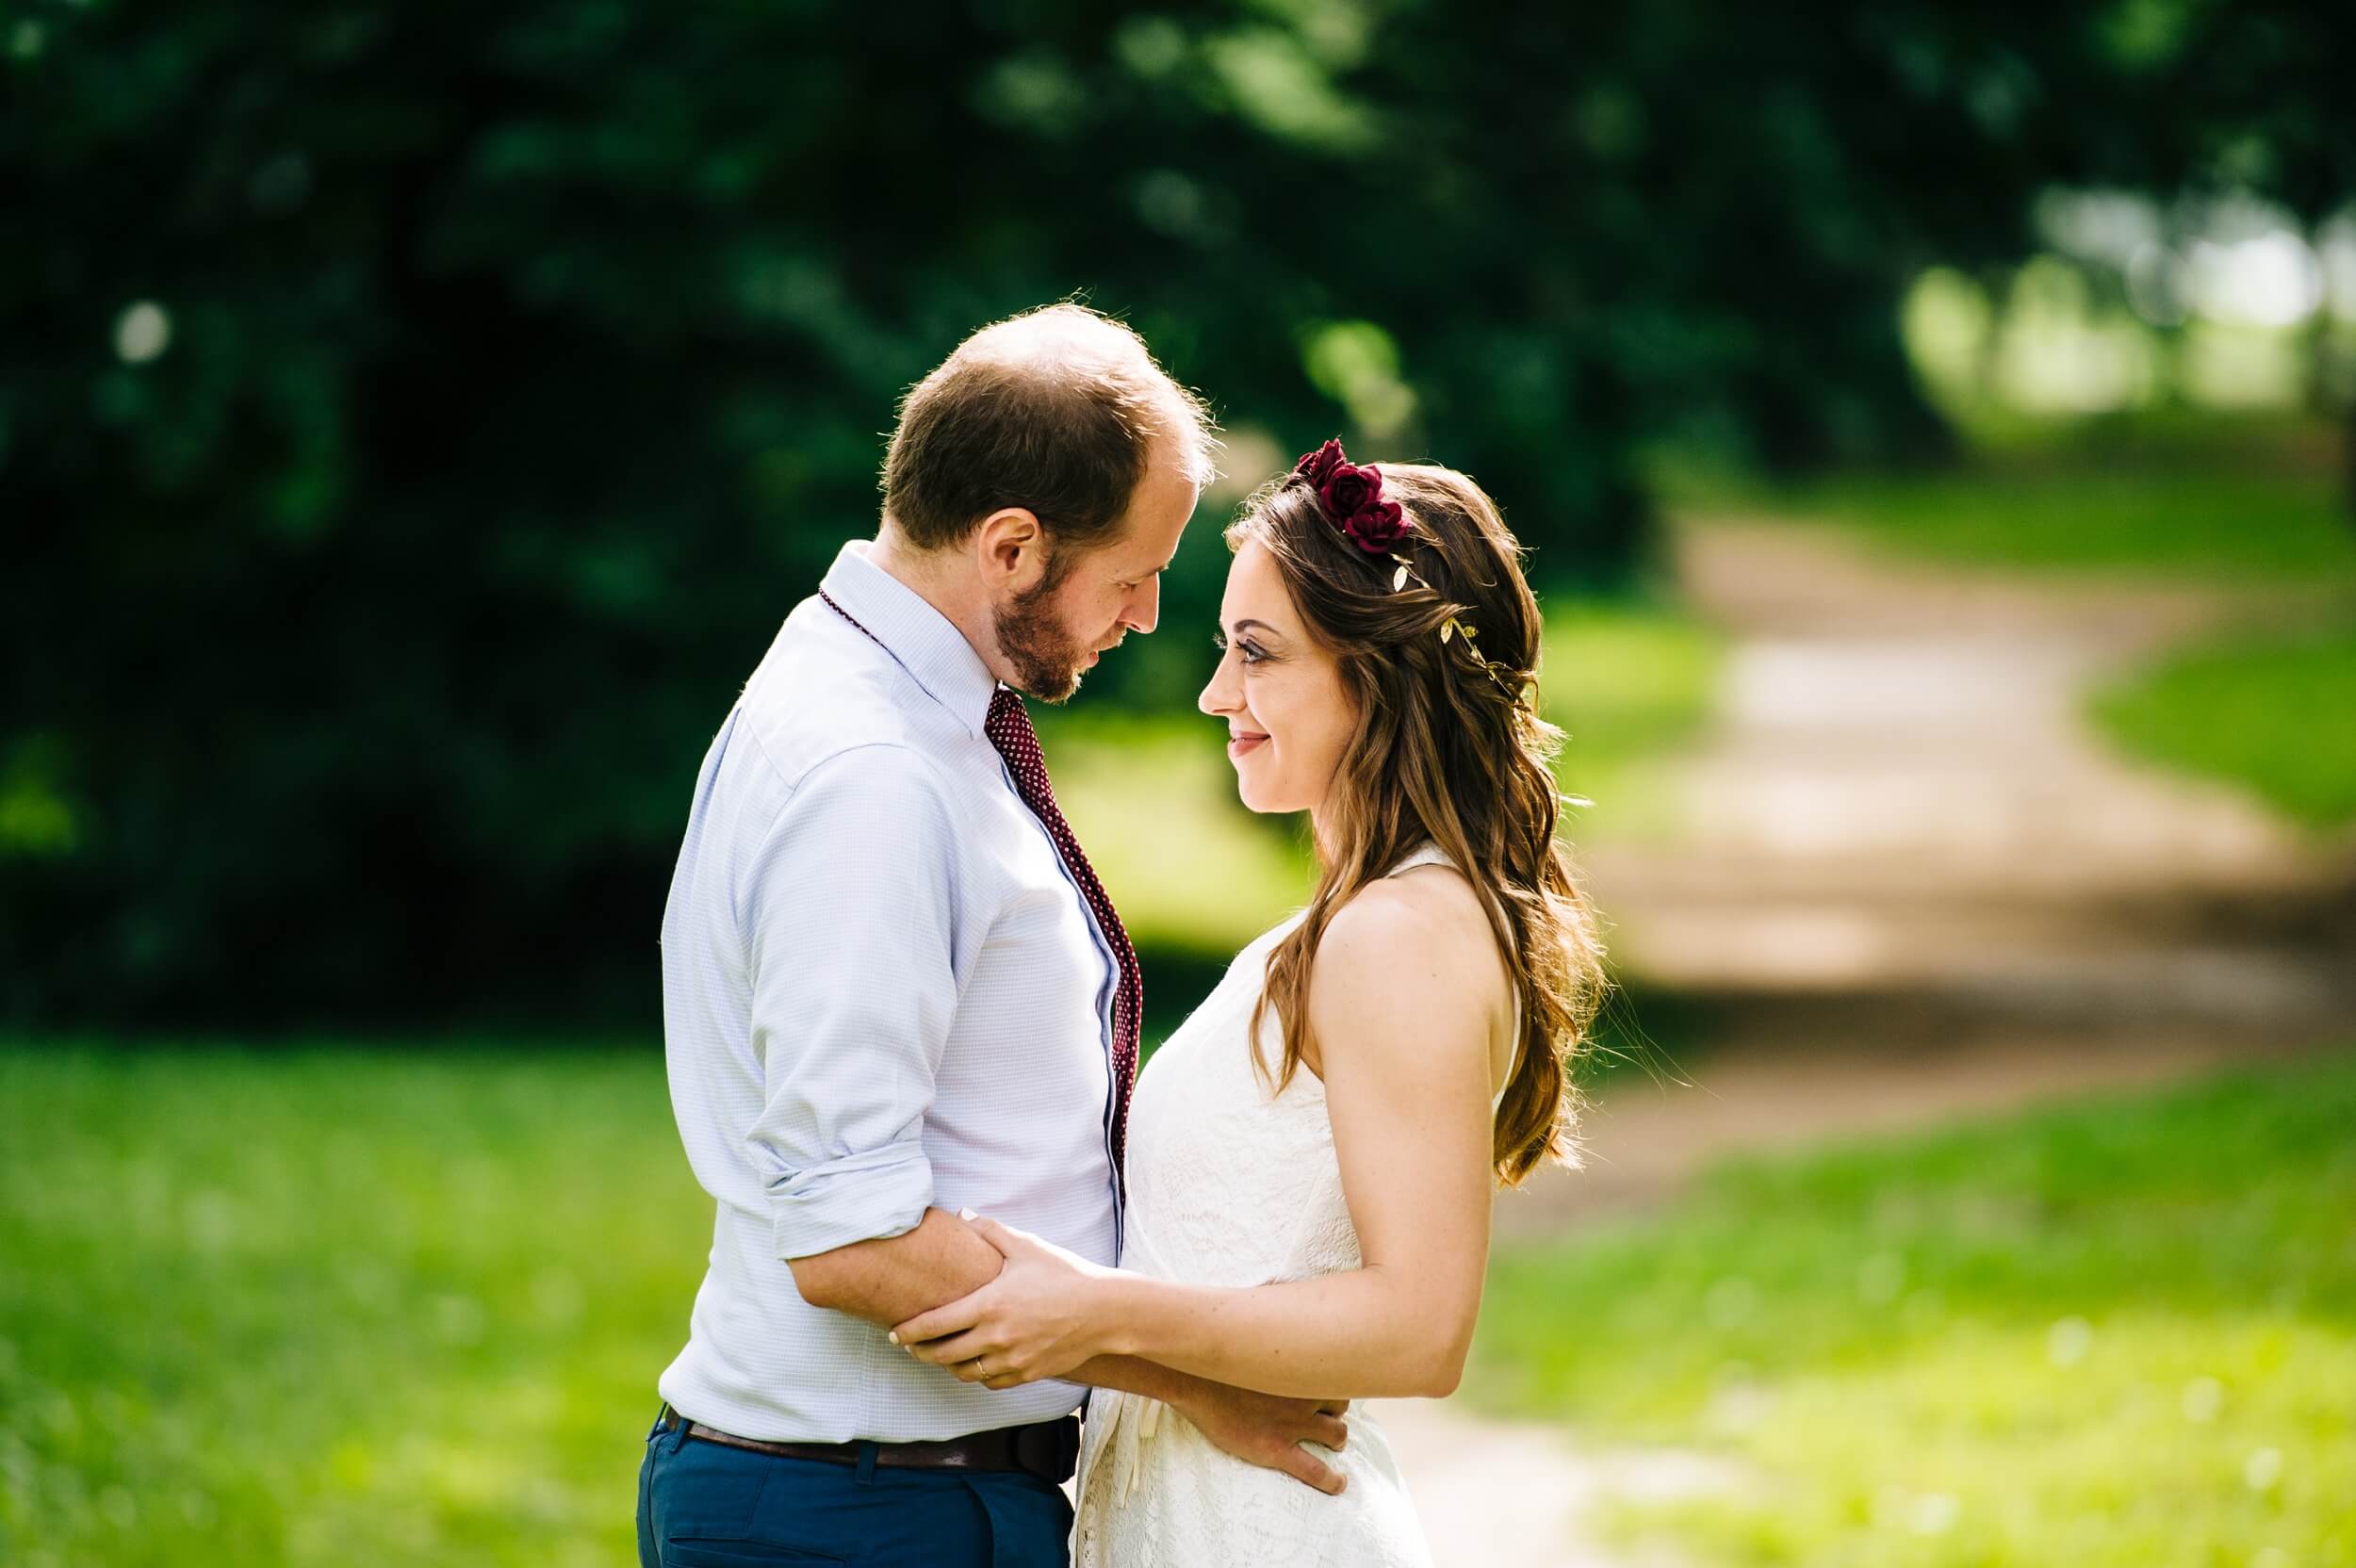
<point x="416" y="418"/>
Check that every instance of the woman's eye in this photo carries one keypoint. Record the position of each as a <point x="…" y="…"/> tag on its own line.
<point x="1250" y="652"/>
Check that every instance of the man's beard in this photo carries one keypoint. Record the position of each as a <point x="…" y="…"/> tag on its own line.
<point x="1047" y="662"/>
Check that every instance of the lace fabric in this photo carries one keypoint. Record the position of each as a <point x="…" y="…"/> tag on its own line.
<point x="1231" y="1186"/>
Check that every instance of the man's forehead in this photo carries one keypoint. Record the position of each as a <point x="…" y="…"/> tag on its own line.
<point x="1153" y="546"/>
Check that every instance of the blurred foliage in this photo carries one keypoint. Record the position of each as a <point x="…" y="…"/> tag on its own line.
<point x="2115" y="1334"/>
<point x="1630" y="680"/>
<point x="423" y="414"/>
<point x="1153" y="796"/>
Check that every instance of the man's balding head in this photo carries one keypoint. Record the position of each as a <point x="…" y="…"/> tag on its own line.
<point x="1059" y="412"/>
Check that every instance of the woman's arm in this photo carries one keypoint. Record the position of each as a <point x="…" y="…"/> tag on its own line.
<point x="882" y="1280"/>
<point x="1405" y="994"/>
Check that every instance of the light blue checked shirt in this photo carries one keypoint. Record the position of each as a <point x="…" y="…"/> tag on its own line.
<point x="881" y="990"/>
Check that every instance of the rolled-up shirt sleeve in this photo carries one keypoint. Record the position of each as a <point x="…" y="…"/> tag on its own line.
<point x="850" y="915"/>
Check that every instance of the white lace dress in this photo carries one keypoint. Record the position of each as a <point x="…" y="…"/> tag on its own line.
<point x="1230" y="1186"/>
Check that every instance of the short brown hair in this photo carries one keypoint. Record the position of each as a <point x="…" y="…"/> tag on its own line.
<point x="1054" y="409"/>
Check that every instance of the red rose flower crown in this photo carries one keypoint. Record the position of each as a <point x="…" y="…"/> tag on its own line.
<point x="1350" y="495"/>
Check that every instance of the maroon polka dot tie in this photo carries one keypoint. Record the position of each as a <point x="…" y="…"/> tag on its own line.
<point x="1008" y="727"/>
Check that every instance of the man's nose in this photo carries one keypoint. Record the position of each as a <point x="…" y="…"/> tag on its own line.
<point x="1144" y="610"/>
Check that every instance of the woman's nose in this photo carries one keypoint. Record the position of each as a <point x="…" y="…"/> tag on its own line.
<point x="1214" y="699"/>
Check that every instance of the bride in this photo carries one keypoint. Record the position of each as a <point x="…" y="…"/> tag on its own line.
<point x="1312" y="1154"/>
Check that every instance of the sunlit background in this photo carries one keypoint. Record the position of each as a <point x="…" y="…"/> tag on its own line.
<point x="1934" y="433"/>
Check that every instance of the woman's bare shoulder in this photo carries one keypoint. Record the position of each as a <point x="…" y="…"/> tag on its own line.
<point x="1418" y="940"/>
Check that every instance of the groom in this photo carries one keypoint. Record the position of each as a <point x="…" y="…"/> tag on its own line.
<point x="893" y="989"/>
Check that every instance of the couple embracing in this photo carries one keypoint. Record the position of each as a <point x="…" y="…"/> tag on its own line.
<point x="902" y="1015"/>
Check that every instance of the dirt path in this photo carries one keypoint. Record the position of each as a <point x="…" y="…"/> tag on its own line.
<point x="1911" y="886"/>
<point x="1499" y="1494"/>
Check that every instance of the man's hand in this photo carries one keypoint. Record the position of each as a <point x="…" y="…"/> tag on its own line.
<point x="1267" y="1430"/>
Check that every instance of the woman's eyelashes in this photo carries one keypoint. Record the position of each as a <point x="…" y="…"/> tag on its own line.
<point x="1252" y="651"/>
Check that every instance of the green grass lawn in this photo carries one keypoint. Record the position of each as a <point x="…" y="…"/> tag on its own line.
<point x="2230" y="526"/>
<point x="2266" y="711"/>
<point x="335" y="1306"/>
<point x="395" y="1306"/>
<point x="2232" y="501"/>
<point x="2121" y="1334"/>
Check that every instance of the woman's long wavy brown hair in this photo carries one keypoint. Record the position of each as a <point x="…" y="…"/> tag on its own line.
<point x="1447" y="751"/>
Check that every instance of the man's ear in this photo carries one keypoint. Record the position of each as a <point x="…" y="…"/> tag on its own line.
<point x="1010" y="550"/>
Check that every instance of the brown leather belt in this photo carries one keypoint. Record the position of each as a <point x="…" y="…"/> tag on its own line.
<point x="1048" y="1449"/>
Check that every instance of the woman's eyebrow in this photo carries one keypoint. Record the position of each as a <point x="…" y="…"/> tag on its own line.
<point x="1242" y="627"/>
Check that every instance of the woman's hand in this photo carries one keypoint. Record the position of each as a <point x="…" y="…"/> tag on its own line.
<point x="1040" y="1317"/>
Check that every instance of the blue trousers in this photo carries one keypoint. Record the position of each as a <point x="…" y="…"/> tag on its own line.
<point x="706" y="1504"/>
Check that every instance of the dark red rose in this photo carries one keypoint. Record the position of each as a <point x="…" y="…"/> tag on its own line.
<point x="1378" y="529"/>
<point x="1316" y="465"/>
<point x="1350" y="490"/>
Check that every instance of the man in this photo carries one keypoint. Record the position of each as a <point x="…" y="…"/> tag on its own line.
<point x="893" y="989"/>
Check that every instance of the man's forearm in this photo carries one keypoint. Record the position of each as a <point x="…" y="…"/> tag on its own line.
<point x="891" y="1280"/>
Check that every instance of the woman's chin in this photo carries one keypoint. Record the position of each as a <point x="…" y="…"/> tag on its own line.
<point x="1257" y="801"/>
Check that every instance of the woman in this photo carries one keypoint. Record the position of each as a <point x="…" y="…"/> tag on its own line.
<point x="1312" y="1154"/>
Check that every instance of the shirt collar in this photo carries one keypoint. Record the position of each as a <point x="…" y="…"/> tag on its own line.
<point x="926" y="643"/>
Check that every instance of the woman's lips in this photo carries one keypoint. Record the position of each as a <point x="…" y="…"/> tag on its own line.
<point x="1238" y="744"/>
